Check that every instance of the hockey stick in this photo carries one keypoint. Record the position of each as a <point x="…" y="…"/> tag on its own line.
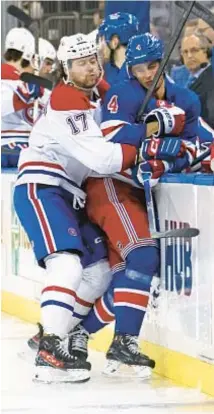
<point x="188" y="232"/>
<point x="201" y="157"/>
<point x="199" y="11"/>
<point x="20" y="15"/>
<point x="165" y="59"/>
<point x="37" y="80"/>
<point x="185" y="232"/>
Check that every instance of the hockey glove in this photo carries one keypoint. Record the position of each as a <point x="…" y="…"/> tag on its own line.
<point x="28" y="92"/>
<point x="162" y="148"/>
<point x="155" y="168"/>
<point x="171" y="121"/>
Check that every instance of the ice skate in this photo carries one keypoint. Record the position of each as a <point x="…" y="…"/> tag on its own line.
<point x="33" y="342"/>
<point x="54" y="364"/>
<point x="124" y="350"/>
<point x="78" y="342"/>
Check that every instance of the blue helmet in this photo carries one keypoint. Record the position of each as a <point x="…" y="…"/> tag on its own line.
<point x="123" y="25"/>
<point x="144" y="48"/>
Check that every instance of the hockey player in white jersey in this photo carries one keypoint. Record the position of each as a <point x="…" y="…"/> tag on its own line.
<point x="47" y="56"/>
<point x="16" y="98"/>
<point x="64" y="146"/>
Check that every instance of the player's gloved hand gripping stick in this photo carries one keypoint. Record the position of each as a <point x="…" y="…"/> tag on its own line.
<point x="185" y="232"/>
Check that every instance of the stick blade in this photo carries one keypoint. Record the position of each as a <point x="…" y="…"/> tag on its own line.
<point x="19" y="14"/>
<point x="188" y="232"/>
<point x="37" y="80"/>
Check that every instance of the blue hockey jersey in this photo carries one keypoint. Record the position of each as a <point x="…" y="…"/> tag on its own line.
<point x="113" y="74"/>
<point x="124" y="99"/>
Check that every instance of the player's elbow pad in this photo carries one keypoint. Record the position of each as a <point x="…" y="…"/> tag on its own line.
<point x="131" y="135"/>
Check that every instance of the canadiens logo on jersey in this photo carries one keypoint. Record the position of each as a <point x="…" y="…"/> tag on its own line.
<point x="28" y="113"/>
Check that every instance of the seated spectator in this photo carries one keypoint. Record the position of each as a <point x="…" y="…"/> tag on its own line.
<point x="180" y="74"/>
<point x="196" y="54"/>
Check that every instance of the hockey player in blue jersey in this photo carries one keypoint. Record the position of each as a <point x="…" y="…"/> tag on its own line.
<point x="141" y="9"/>
<point x="114" y="34"/>
<point x="119" y="209"/>
<point x="123" y="101"/>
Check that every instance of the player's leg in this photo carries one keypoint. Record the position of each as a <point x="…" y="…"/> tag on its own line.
<point x="131" y="290"/>
<point x="123" y="217"/>
<point x="10" y="154"/>
<point x="51" y="225"/>
<point x="126" y="301"/>
<point x="130" y="299"/>
<point x="96" y="279"/>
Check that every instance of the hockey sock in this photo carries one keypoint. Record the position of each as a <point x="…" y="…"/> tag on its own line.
<point x="95" y="281"/>
<point x="101" y="314"/>
<point x="63" y="276"/>
<point x="131" y="289"/>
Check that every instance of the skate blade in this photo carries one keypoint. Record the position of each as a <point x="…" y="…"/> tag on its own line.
<point x="50" y="375"/>
<point x="111" y="368"/>
<point x="117" y="369"/>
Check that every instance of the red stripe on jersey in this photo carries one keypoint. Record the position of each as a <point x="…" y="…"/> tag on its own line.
<point x="106" y="317"/>
<point x="59" y="289"/>
<point x="108" y="130"/>
<point x="42" y="218"/>
<point x="83" y="302"/>
<point x="129" y="156"/>
<point x="39" y="164"/>
<point x="15" y="131"/>
<point x="129" y="297"/>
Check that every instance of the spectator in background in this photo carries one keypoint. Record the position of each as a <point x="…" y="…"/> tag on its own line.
<point x="180" y="74"/>
<point x="140" y="9"/>
<point x="196" y="52"/>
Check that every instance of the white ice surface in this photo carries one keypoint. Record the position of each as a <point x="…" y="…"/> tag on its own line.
<point x="100" y="395"/>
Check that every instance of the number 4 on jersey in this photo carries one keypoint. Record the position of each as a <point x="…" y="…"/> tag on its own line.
<point x="113" y="104"/>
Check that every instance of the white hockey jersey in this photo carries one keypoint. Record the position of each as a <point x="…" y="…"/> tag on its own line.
<point x="14" y="125"/>
<point x="16" y="117"/>
<point x="66" y="144"/>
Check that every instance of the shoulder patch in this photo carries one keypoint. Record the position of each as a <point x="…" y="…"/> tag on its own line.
<point x="66" y="97"/>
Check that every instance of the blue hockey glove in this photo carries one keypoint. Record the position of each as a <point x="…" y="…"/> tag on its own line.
<point x="28" y="92"/>
<point x="162" y="148"/>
